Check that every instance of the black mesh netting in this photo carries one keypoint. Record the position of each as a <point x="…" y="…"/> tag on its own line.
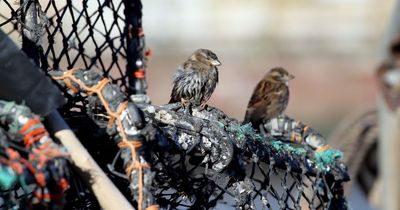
<point x="66" y="34"/>
<point x="197" y="161"/>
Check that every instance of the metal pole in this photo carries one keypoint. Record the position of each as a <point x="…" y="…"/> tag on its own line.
<point x="135" y="52"/>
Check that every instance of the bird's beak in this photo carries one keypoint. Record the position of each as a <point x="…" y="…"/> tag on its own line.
<point x="290" y="77"/>
<point x="216" y="63"/>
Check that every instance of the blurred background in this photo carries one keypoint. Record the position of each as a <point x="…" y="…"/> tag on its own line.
<point x="330" y="46"/>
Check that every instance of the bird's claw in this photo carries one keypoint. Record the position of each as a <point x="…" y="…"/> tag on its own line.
<point x="184" y="102"/>
<point x="202" y="106"/>
<point x="186" y="105"/>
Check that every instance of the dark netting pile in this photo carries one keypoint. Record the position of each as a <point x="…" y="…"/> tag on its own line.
<point x="164" y="155"/>
<point x="58" y="34"/>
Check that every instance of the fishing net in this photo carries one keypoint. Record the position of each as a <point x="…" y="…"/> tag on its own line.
<point x="197" y="161"/>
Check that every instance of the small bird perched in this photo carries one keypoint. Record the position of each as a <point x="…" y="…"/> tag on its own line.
<point x="196" y="79"/>
<point x="270" y="97"/>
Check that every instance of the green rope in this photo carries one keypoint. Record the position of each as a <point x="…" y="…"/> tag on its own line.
<point x="8" y="178"/>
<point x="220" y="124"/>
<point x="245" y="131"/>
<point x="326" y="158"/>
<point x="285" y="147"/>
<point x="23" y="184"/>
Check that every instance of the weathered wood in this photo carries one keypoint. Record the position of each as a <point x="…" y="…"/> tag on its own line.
<point x="108" y="196"/>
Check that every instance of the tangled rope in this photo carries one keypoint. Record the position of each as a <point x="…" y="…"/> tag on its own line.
<point x="114" y="118"/>
<point x="41" y="161"/>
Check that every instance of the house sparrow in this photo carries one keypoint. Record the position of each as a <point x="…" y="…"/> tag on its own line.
<point x="195" y="79"/>
<point x="270" y="97"/>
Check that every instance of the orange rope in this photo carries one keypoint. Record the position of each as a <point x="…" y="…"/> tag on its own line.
<point x="40" y="179"/>
<point x="16" y="162"/>
<point x="65" y="77"/>
<point x="153" y="207"/>
<point x="135" y="165"/>
<point x="292" y="138"/>
<point x="42" y="196"/>
<point x="322" y="148"/>
<point x="295" y="137"/>
<point x="114" y="116"/>
<point x="305" y="129"/>
<point x="13" y="163"/>
<point x="63" y="184"/>
<point x="29" y="124"/>
<point x="139" y="74"/>
<point x="34" y="136"/>
<point x="69" y="84"/>
<point x="135" y="32"/>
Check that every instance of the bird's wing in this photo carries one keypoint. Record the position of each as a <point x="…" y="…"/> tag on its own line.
<point x="186" y="83"/>
<point x="260" y="93"/>
<point x="258" y="101"/>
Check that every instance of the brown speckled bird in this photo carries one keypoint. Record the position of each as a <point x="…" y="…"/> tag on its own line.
<point x="270" y="97"/>
<point x="196" y="79"/>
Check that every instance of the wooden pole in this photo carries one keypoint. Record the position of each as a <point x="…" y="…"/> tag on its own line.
<point x="109" y="197"/>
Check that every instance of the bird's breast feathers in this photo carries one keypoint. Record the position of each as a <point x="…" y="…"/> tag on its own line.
<point x="279" y="92"/>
